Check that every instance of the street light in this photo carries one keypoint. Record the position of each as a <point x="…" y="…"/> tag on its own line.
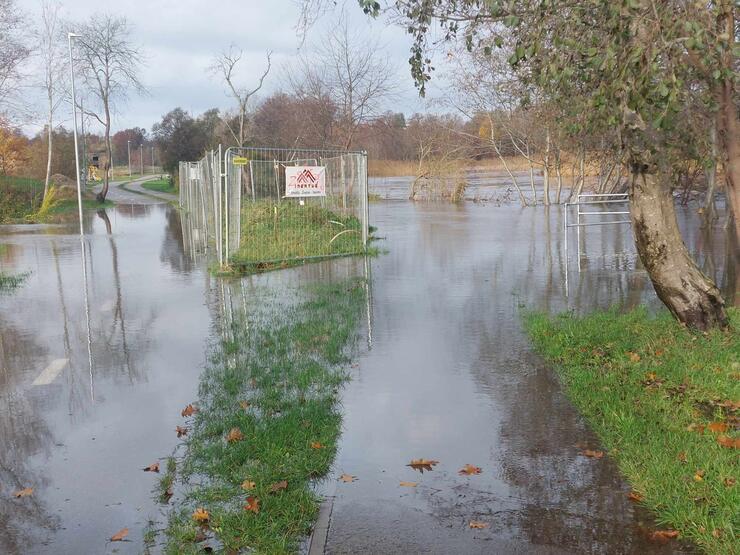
<point x="70" y="36"/>
<point x="129" y="157"/>
<point x="141" y="158"/>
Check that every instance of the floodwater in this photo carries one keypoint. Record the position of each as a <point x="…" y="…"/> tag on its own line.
<point x="91" y="392"/>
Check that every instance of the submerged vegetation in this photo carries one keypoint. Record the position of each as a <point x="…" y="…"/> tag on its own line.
<point x="281" y="234"/>
<point x="267" y="424"/>
<point x="9" y="283"/>
<point x="664" y="402"/>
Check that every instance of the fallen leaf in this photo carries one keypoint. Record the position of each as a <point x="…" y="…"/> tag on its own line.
<point x="651" y="376"/>
<point x="422" y="464"/>
<point x="347" y="478"/>
<point x="118" y="536"/>
<point x="248" y="484"/>
<point x="234" y="435"/>
<point x="593" y="454"/>
<point x="277" y="486"/>
<point x="181" y="431"/>
<point x="663" y="536"/>
<point x="634" y="496"/>
<point x="693" y="427"/>
<point x="682" y="456"/>
<point x="25" y="492"/>
<point x="717" y="427"/>
<point x="168" y="493"/>
<point x="154" y="467"/>
<point x="316" y="445"/>
<point x="190" y="410"/>
<point x="253" y="504"/>
<point x="634" y="357"/>
<point x="200" y="515"/>
<point x="468" y="470"/>
<point x="478" y="525"/>
<point x="244" y="404"/>
<point x="728" y="482"/>
<point x="699" y="476"/>
<point x="728" y="442"/>
<point x="659" y="353"/>
<point x="408" y="484"/>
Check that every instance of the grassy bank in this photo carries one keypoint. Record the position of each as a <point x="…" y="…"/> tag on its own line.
<point x="164" y="185"/>
<point x="267" y="424"/>
<point x="665" y="404"/>
<point x="278" y="235"/>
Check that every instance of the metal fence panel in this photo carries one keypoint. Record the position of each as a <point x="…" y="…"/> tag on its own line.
<point x="238" y="203"/>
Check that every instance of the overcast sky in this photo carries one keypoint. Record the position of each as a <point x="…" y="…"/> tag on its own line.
<point x="180" y="38"/>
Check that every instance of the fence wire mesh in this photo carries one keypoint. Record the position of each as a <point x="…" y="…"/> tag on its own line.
<point x="275" y="206"/>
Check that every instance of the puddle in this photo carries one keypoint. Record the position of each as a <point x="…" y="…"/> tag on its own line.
<point x="444" y="373"/>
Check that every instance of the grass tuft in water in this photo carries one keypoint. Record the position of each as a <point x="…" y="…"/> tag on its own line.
<point x="9" y="283"/>
<point x="654" y="392"/>
<point x="276" y="380"/>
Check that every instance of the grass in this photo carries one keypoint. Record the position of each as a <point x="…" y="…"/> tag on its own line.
<point x="654" y="392"/>
<point x="278" y="235"/>
<point x="164" y="185"/>
<point x="275" y="379"/>
<point x="9" y="283"/>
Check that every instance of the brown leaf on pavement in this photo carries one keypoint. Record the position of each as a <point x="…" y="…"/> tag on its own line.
<point x="253" y="504"/>
<point x="200" y="515"/>
<point x="154" y="467"/>
<point x="469" y="470"/>
<point x="277" y="486"/>
<point x="478" y="524"/>
<point x="181" y="431"/>
<point x="25" y="492"/>
<point x="662" y="536"/>
<point x="408" y="484"/>
<point x="593" y="454"/>
<point x="190" y="410"/>
<point x="234" y="435"/>
<point x="634" y="496"/>
<point x="118" y="536"/>
<point x="347" y="478"/>
<point x="422" y="464"/>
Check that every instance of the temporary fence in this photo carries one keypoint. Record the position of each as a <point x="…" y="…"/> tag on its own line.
<point x="263" y="207"/>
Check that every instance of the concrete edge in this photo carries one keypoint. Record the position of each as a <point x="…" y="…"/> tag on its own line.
<point x="320" y="532"/>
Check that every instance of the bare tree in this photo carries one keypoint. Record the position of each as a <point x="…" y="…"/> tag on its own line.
<point x="354" y="74"/>
<point x="225" y="65"/>
<point x="54" y="68"/>
<point x="109" y="65"/>
<point x="13" y="52"/>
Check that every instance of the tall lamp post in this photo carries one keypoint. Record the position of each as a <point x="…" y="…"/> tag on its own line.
<point x="70" y="36"/>
<point x="141" y="158"/>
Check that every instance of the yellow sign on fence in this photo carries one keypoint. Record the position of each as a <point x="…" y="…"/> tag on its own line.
<point x="240" y="161"/>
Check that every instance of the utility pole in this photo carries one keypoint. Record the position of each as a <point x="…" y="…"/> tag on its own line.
<point x="152" y="158"/>
<point x="70" y="36"/>
<point x="84" y="145"/>
<point x="128" y="144"/>
<point x="141" y="157"/>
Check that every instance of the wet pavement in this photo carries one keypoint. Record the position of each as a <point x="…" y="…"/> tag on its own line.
<point x="90" y="397"/>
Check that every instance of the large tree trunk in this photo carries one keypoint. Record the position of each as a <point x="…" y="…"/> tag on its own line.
<point x="691" y="296"/>
<point x="109" y="152"/>
<point x="730" y="142"/>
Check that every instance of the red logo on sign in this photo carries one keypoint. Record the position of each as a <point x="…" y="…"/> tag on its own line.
<point x="305" y="178"/>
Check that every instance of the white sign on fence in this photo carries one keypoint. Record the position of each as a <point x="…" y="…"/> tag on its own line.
<point x="305" y="181"/>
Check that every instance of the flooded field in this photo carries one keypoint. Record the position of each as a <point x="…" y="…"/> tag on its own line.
<point x="92" y="396"/>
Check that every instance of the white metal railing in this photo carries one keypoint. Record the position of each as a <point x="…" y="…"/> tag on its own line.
<point x="586" y="199"/>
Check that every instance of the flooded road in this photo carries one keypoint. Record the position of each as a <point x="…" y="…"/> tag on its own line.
<point x="444" y="372"/>
<point x="78" y="424"/>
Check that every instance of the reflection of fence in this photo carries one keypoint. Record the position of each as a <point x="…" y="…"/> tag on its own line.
<point x="242" y="204"/>
<point x="590" y="199"/>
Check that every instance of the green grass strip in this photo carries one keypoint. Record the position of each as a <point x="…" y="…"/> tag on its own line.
<point x="280" y="234"/>
<point x="650" y="389"/>
<point x="160" y="185"/>
<point x="288" y="362"/>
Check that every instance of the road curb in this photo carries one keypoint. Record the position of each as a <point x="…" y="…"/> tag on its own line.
<point x="320" y="532"/>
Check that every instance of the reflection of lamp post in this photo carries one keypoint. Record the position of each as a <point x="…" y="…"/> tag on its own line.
<point x="128" y="144"/>
<point x="70" y="36"/>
